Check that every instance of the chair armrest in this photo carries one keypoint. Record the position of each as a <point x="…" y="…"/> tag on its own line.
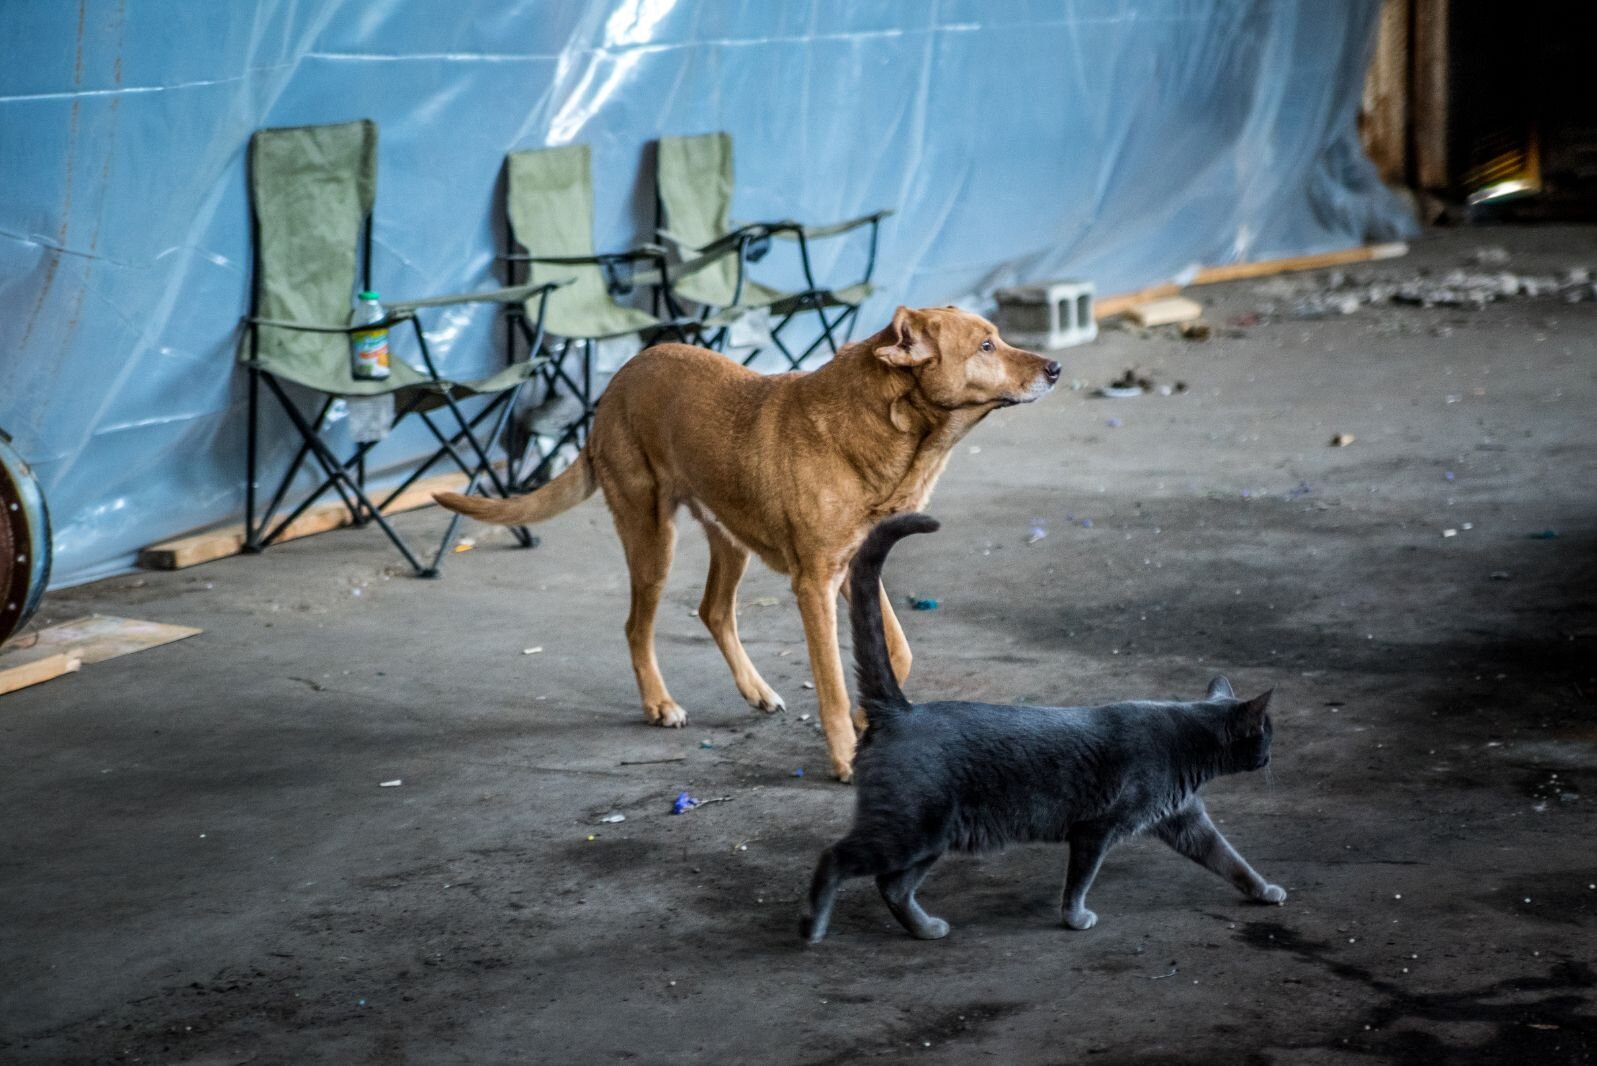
<point x="632" y="255"/>
<point x="393" y="318"/>
<point x="512" y="295"/>
<point x="834" y="229"/>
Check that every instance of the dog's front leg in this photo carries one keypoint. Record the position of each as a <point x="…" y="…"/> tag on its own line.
<point x="817" y="599"/>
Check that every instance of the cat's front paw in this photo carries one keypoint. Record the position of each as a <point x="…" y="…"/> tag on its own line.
<point x="1271" y="894"/>
<point x="1079" y="920"/>
<point x="930" y="929"/>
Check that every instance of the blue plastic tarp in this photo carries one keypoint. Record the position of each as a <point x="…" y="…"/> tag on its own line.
<point x="1118" y="140"/>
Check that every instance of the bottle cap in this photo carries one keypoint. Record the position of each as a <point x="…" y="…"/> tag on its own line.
<point x="369" y="295"/>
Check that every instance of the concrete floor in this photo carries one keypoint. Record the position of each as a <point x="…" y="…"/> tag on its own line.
<point x="198" y="865"/>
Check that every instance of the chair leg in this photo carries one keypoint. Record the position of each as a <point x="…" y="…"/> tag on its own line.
<point x="338" y="471"/>
<point x="250" y="532"/>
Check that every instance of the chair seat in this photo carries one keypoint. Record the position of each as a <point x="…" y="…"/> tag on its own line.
<point x="571" y="316"/>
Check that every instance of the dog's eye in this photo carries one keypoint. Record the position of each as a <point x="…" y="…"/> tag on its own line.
<point x="987" y="346"/>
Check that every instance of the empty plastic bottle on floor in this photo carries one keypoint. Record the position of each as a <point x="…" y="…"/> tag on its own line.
<point x="369" y="416"/>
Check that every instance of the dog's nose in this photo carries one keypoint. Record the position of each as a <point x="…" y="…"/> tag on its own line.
<point x="1051" y="372"/>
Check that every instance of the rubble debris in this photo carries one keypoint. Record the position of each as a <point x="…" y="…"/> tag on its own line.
<point x="1342" y="440"/>
<point x="1483" y="282"/>
<point x="1198" y="330"/>
<point x="1546" y="534"/>
<point x="923" y="603"/>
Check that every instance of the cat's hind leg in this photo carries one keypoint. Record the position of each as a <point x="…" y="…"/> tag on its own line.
<point x="847" y="858"/>
<point x="1191" y="832"/>
<point x="1087" y="850"/>
<point x="898" y="889"/>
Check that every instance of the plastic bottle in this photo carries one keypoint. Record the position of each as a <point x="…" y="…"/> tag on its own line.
<point x="368" y="348"/>
<point x="370" y="417"/>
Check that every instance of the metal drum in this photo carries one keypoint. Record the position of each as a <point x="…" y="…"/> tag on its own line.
<point x="24" y="541"/>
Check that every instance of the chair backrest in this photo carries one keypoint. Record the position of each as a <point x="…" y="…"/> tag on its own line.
<point x="694" y="182"/>
<point x="311" y="191"/>
<point x="549" y="195"/>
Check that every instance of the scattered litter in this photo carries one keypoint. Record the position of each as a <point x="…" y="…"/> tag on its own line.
<point x="806" y="684"/>
<point x="1114" y="423"/>
<point x="465" y="544"/>
<point x="1126" y="386"/>
<point x="1342" y="440"/>
<point x="975" y="449"/>
<point x="1246" y="319"/>
<point x="395" y="783"/>
<point x="799" y="772"/>
<point x="1546" y="534"/>
<point x="1499" y="575"/>
<point x="685" y="803"/>
<point x="613" y="818"/>
<point x="532" y="651"/>
<point x="651" y="762"/>
<point x="764" y="601"/>
<point x="706" y="743"/>
<point x="920" y="603"/>
<point x="1037" y="531"/>
<point x="1491" y="256"/>
<point x="1448" y="474"/>
<point x="804" y="718"/>
<point x="1162" y="976"/>
<point x="1298" y="491"/>
<point x="1449" y="532"/>
<point x="1197" y="331"/>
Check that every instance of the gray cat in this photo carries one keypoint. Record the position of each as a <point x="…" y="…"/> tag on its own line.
<point x="935" y="777"/>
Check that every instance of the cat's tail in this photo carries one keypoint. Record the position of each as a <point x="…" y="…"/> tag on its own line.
<point x="879" y="693"/>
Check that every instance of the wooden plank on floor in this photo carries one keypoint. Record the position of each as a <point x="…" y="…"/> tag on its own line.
<point x="98" y="637"/>
<point x="33" y="670"/>
<point x="1164" y="312"/>
<point x="196" y="548"/>
<point x="1119" y="304"/>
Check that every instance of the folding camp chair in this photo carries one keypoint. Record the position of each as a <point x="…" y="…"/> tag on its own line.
<point x="311" y="192"/>
<point x="693" y="188"/>
<point x="549" y="212"/>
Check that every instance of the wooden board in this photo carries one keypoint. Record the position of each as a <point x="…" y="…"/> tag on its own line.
<point x="98" y="637"/>
<point x="34" y="670"/>
<point x="1164" y="312"/>
<point x="1109" y="306"/>
<point x="219" y="543"/>
<point x="1384" y="109"/>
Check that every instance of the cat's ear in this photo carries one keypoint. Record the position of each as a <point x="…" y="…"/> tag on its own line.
<point x="1250" y="715"/>
<point x="1220" y="688"/>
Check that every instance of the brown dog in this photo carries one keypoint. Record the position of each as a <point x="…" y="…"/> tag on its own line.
<point x="796" y="468"/>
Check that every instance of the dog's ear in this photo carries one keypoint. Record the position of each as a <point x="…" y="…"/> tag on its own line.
<point x="907" y="342"/>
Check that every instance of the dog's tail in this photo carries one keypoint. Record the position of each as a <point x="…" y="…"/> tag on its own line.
<point x="575" y="484"/>
<point x="879" y="693"/>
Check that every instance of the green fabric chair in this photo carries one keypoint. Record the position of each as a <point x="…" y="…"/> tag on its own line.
<point x="549" y="209"/>
<point x="693" y="186"/>
<point x="312" y="190"/>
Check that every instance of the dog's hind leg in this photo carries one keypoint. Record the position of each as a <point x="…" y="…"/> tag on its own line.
<point x="817" y="598"/>
<point x="718" y="612"/>
<point x="648" y="534"/>
<point x="898" y="889"/>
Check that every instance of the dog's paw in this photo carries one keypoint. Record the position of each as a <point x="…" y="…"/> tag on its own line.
<point x="765" y="700"/>
<point x="666" y="713"/>
<point x="1080" y="920"/>
<point x="1271" y="894"/>
<point x="844" y="774"/>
